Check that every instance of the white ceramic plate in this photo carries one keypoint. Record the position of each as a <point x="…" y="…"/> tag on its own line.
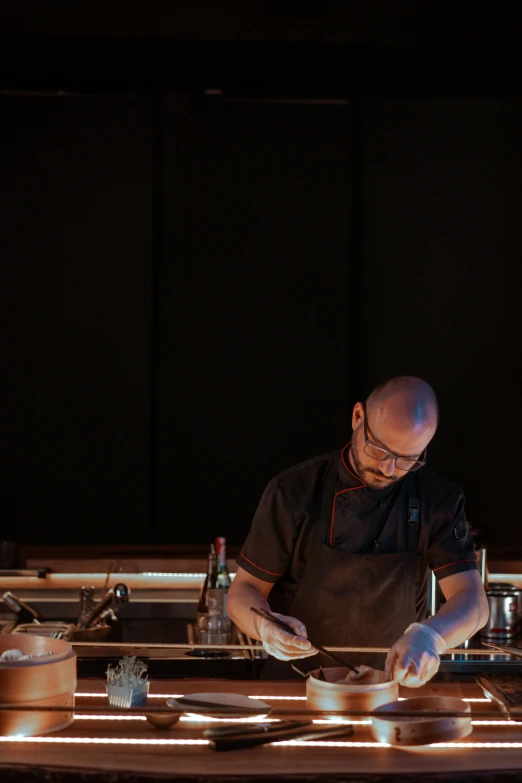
<point x="234" y="705"/>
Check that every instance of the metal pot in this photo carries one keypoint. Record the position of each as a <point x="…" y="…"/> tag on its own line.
<point x="504" y="587"/>
<point x="332" y="696"/>
<point x="503" y="614"/>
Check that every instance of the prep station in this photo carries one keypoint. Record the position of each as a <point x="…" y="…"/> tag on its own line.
<point x="145" y="606"/>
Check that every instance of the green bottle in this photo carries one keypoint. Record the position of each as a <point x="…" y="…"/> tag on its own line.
<point x="223" y="577"/>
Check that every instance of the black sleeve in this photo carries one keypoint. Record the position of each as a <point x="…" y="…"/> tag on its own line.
<point x="269" y="545"/>
<point x="451" y="549"/>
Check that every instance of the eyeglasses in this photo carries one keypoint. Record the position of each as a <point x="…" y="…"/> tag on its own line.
<point x="377" y="452"/>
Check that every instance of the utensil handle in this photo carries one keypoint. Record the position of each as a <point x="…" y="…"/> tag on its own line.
<point x="516" y="651"/>
<point x="239" y="743"/>
<point x="254" y="728"/>
<point x="285" y="627"/>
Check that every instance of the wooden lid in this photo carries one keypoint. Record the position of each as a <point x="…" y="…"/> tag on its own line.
<point x="410" y="731"/>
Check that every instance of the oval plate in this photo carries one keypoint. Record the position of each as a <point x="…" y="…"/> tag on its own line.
<point x="228" y="705"/>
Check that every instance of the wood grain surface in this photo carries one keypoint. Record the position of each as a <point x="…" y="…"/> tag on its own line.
<point x="178" y="762"/>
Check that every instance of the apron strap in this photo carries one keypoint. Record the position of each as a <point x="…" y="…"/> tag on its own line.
<point x="413" y="523"/>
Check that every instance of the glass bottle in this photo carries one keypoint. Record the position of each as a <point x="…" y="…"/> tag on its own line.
<point x="214" y="627"/>
<point x="223" y="577"/>
<point x="208" y="584"/>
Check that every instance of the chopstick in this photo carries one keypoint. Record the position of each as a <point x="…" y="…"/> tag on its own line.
<point x="254" y="728"/>
<point x="237" y="743"/>
<point x="516" y="651"/>
<point x="275" y="620"/>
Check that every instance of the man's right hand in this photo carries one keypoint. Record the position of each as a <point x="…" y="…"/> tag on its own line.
<point x="283" y="645"/>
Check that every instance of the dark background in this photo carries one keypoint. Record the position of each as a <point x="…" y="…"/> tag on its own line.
<point x="224" y="224"/>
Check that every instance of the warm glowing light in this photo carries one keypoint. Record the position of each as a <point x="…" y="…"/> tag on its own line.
<point x="332" y="744"/>
<point x="172" y="573"/>
<point x="262" y="697"/>
<point x="193" y="575"/>
<point x="191" y="718"/>
<point x="103" y="741"/>
<point x="203" y="719"/>
<point x="285" y="698"/>
<point x="301" y="743"/>
<point x="329" y="721"/>
<point x="477" y="745"/>
<point x="151" y="695"/>
<point x="110" y="717"/>
<point x="462" y="698"/>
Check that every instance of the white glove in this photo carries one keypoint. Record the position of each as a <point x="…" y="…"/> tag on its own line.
<point x="414" y="658"/>
<point x="281" y="644"/>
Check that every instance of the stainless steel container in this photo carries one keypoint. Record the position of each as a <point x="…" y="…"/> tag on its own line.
<point x="504" y="587"/>
<point x="503" y="614"/>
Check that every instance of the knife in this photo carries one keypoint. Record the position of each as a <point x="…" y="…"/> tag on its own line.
<point x="254" y="728"/>
<point x="238" y="743"/>
<point x="334" y="657"/>
<point x="186" y="700"/>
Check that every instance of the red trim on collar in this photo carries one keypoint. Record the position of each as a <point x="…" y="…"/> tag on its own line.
<point x="350" y="489"/>
<point x="350" y="471"/>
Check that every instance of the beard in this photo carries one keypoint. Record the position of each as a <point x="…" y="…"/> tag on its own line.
<point x="369" y="476"/>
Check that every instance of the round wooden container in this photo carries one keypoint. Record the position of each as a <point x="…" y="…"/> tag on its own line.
<point x="44" y="682"/>
<point x="408" y="731"/>
<point x="333" y="696"/>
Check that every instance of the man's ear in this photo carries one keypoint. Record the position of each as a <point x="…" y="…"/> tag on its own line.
<point x="357" y="415"/>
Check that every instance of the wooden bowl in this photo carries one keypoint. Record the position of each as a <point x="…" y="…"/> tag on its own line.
<point x="49" y="681"/>
<point x="332" y="696"/>
<point x="163" y="720"/>
<point x="408" y="731"/>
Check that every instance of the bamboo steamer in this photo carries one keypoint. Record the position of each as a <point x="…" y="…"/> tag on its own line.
<point x="41" y="682"/>
<point x="332" y="696"/>
<point x="410" y="732"/>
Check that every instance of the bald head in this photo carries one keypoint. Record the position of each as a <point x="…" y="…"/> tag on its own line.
<point x="409" y="400"/>
<point x="400" y="417"/>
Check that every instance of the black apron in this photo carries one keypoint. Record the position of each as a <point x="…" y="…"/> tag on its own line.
<point x="352" y="600"/>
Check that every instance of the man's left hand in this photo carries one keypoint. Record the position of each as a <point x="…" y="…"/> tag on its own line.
<point x="414" y="658"/>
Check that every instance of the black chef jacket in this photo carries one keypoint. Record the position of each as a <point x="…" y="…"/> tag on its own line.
<point x="365" y="520"/>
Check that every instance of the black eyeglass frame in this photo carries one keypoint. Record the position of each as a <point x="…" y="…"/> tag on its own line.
<point x="421" y="460"/>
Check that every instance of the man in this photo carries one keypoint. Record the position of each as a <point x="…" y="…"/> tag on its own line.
<point x="341" y="544"/>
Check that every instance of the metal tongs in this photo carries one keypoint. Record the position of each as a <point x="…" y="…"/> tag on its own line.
<point x="276" y="621"/>
<point x="517" y="651"/>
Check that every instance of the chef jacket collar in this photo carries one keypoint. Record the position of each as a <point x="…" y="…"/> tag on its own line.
<point x="350" y="480"/>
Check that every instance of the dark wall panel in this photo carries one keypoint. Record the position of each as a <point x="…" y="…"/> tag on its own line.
<point x="441" y="282"/>
<point x="254" y="354"/>
<point x="76" y="248"/>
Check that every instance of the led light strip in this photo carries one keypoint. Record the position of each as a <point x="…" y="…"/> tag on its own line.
<point x="103" y="741"/>
<point x="193" y="575"/>
<point x="449" y="745"/>
<point x="186" y="718"/>
<point x="262" y="698"/>
<point x="301" y="743"/>
<point x="256" y="719"/>
<point x="169" y="573"/>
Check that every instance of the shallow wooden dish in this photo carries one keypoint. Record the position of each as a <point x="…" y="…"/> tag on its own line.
<point x="49" y="681"/>
<point x="332" y="696"/>
<point x="163" y="720"/>
<point x="409" y="732"/>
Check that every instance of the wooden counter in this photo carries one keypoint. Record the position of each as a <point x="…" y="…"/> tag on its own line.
<point x="100" y="749"/>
